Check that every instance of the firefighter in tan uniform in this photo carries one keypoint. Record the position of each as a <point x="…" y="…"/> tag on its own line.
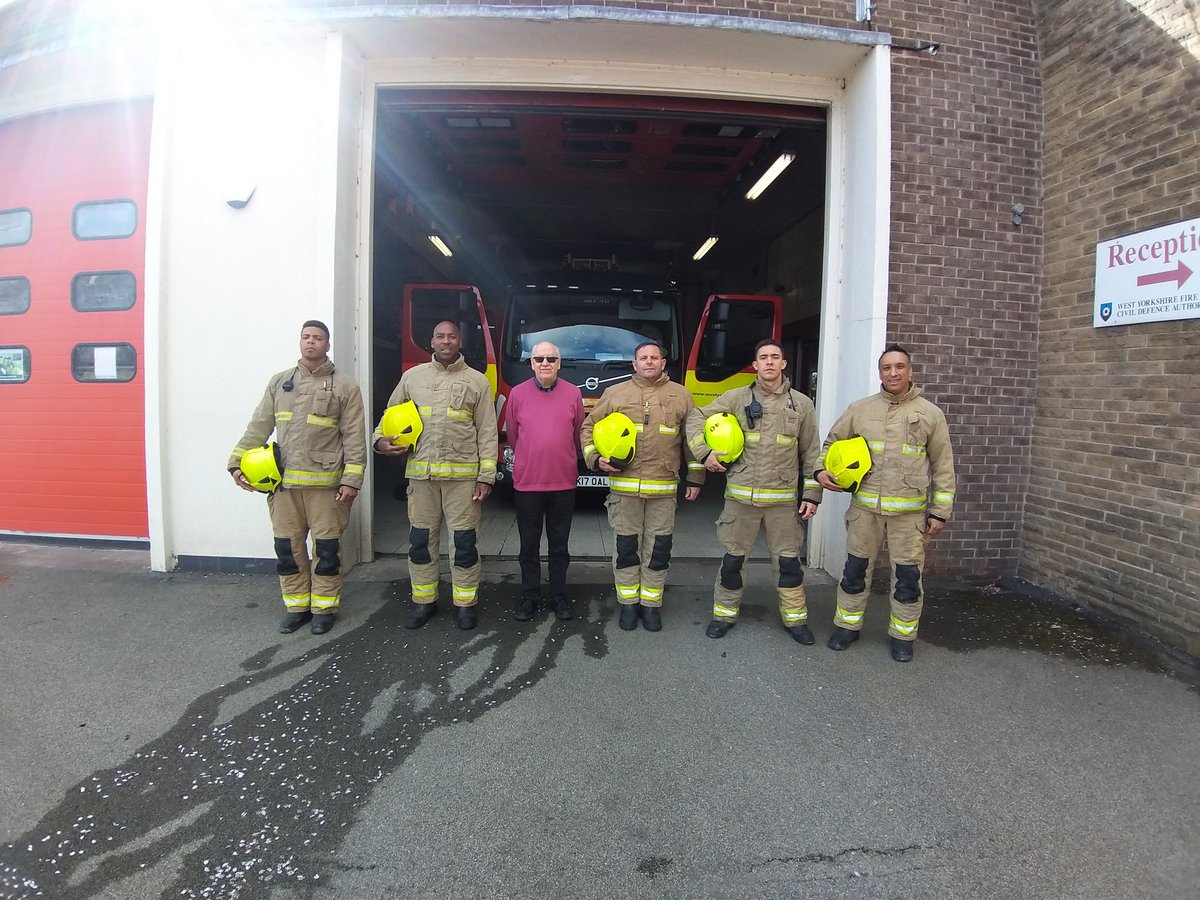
<point x="907" y="496"/>
<point x="642" y="497"/>
<point x="763" y="487"/>
<point x="450" y="473"/>
<point x="317" y="415"/>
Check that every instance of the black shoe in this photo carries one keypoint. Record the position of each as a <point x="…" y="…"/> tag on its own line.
<point x="718" y="628"/>
<point x="291" y="621"/>
<point x="526" y="607"/>
<point x="418" y="614"/>
<point x="651" y="619"/>
<point x="629" y="616"/>
<point x="466" y="619"/>
<point x="562" y="609"/>
<point x="841" y="638"/>
<point x="322" y="622"/>
<point x="902" y="651"/>
<point x="802" y="633"/>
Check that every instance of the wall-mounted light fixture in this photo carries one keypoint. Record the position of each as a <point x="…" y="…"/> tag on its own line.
<point x="929" y="47"/>
<point x="777" y="167"/>
<point x="1018" y="213"/>
<point x="708" y="244"/>
<point x="441" y="245"/>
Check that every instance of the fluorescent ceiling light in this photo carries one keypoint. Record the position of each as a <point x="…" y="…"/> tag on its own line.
<point x="705" y="247"/>
<point x="440" y="244"/>
<point x="777" y="167"/>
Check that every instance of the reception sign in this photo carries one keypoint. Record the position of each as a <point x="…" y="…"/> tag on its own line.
<point x="1148" y="276"/>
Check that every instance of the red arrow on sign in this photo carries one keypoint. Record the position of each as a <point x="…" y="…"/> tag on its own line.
<point x="1180" y="274"/>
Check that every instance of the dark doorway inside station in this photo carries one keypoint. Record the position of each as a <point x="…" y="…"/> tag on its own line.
<point x="513" y="183"/>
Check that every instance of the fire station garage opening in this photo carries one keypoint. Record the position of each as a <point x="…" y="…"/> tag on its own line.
<point x="590" y="220"/>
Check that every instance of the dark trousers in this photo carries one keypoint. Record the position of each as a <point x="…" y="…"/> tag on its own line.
<point x="555" y="508"/>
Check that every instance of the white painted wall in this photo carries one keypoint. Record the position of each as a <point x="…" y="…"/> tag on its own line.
<point x="233" y="286"/>
<point x="854" y="316"/>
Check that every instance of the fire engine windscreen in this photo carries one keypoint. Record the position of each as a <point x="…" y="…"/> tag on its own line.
<point x="591" y="327"/>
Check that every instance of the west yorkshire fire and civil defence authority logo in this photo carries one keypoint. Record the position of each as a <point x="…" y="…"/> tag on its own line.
<point x="1105" y="311"/>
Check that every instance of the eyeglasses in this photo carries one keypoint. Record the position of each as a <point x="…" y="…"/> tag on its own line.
<point x="545" y="359"/>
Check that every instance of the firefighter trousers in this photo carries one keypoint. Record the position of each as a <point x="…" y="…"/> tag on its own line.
<point x="906" y="542"/>
<point x="430" y="502"/>
<point x="737" y="530"/>
<point x="644" y="530"/>
<point x="308" y="582"/>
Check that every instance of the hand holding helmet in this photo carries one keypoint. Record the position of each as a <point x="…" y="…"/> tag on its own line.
<point x="724" y="436"/>
<point x="615" y="437"/>
<point x="401" y="427"/>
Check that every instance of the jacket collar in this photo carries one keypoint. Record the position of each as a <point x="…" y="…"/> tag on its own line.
<point x="456" y="366"/>
<point x="912" y="393"/>
<point x="645" y="383"/>
<point x="784" y="386"/>
<point x="324" y="369"/>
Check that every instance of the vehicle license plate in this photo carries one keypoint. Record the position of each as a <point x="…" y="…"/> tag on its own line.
<point x="594" y="481"/>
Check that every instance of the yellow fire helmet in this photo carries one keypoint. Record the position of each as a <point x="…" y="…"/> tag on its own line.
<point x="616" y="437"/>
<point x="849" y="461"/>
<point x="260" y="465"/>
<point x="401" y="423"/>
<point x="724" y="435"/>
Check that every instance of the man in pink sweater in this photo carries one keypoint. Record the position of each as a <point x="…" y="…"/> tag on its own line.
<point x="544" y="415"/>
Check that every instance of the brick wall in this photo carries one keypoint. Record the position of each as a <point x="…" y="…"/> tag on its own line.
<point x="1112" y="517"/>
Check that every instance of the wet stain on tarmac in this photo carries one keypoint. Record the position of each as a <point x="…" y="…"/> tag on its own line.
<point x="263" y="801"/>
<point x="967" y="617"/>
<point x="653" y="866"/>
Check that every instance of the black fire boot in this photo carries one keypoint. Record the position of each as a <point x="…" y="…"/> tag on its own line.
<point x="293" y="620"/>
<point x="322" y="622"/>
<point x="418" y="614"/>
<point x="718" y="628"/>
<point x="651" y="618"/>
<point x="902" y="651"/>
<point x="466" y="619"/>
<point x="802" y="633"/>
<point x="841" y="638"/>
<point x="629" y="616"/>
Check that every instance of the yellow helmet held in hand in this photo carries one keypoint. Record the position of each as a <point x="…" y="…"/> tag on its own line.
<point x="849" y="461"/>
<point x="616" y="437"/>
<point x="723" y="434"/>
<point x="401" y="423"/>
<point x="260" y="466"/>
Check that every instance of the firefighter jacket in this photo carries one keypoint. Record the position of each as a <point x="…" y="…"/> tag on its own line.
<point x="912" y="465"/>
<point x="458" y="422"/>
<point x="659" y="409"/>
<point x="319" y="426"/>
<point x="782" y="445"/>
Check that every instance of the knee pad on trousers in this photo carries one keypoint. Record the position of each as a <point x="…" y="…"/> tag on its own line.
<point x="465" y="553"/>
<point x="660" y="556"/>
<point x="627" y="550"/>
<point x="285" y="560"/>
<point x="418" y="545"/>
<point x="731" y="571"/>
<point x="328" y="561"/>
<point x="854" y="576"/>
<point x="791" y="574"/>
<point x="908" y="584"/>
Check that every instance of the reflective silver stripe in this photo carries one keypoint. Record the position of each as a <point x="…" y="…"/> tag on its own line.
<point x="322" y="421"/>
<point x="850" y="618"/>
<point x="462" y="593"/>
<point x="487" y="465"/>
<point x="875" y="445"/>
<point x="353" y="469"/>
<point x="628" y="591"/>
<point x="321" y="602"/>
<point x="891" y="504"/>
<point x="588" y="448"/>
<point x="785" y="440"/>
<point x="296" y="602"/>
<point x="651" y="593"/>
<point x="450" y="470"/>
<point x="424" y="590"/>
<point x="759" y="495"/>
<point x="752" y="437"/>
<point x="424" y="410"/>
<point x="300" y="478"/>
<point x="943" y="496"/>
<point x="913" y="449"/>
<point x="667" y="429"/>
<point x="283" y="416"/>
<point x="694" y="466"/>
<point x="795" y="615"/>
<point x="904" y="627"/>
<point x="640" y="427"/>
<point x="464" y="414"/>
<point x="416" y="468"/>
<point x="809" y="484"/>
<point x="727" y="612"/>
